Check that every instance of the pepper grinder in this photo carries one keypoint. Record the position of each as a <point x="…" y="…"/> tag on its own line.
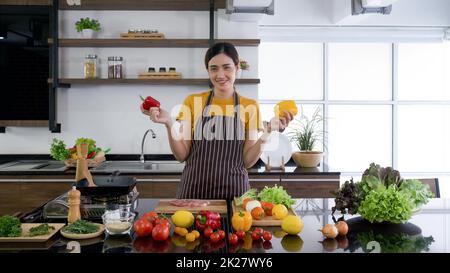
<point x="82" y="165"/>
<point x="74" y="205"/>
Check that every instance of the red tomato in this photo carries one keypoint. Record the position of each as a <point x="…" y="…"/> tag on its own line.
<point x="256" y="235"/>
<point x="240" y="234"/>
<point x="233" y="239"/>
<point x="258" y="213"/>
<point x="215" y="237"/>
<point x="160" y="232"/>
<point x="221" y="234"/>
<point x="162" y="221"/>
<point x="267" y="236"/>
<point x="142" y="227"/>
<point x="151" y="216"/>
<point x="267" y="207"/>
<point x="207" y="232"/>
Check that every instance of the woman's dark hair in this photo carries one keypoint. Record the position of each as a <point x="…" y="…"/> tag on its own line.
<point x="225" y="48"/>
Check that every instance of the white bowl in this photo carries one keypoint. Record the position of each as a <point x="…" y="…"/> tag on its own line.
<point x="118" y="222"/>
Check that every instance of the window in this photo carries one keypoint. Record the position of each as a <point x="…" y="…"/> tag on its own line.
<point x="291" y="71"/>
<point x="424" y="71"/>
<point x="360" y="71"/>
<point x="384" y="103"/>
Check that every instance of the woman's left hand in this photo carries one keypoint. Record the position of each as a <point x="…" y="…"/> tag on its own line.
<point x="280" y="123"/>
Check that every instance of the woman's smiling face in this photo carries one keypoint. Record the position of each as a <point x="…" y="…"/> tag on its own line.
<point x="222" y="72"/>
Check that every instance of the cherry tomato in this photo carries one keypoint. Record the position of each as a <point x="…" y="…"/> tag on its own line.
<point x="233" y="239"/>
<point x="207" y="232"/>
<point x="221" y="234"/>
<point x="267" y="236"/>
<point x="240" y="234"/>
<point x="256" y="235"/>
<point x="259" y="230"/>
<point x="160" y="232"/>
<point x="215" y="237"/>
<point x="142" y="228"/>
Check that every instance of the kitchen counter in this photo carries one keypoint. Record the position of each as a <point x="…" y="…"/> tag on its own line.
<point x="426" y="231"/>
<point x="162" y="182"/>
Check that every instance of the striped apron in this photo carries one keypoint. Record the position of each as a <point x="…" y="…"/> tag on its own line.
<point x="215" y="167"/>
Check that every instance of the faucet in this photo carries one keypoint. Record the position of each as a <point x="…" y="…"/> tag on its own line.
<point x="142" y="145"/>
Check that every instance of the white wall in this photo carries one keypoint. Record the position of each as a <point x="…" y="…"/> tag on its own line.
<point x="110" y="113"/>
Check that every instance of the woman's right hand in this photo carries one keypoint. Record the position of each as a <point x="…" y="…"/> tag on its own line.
<point x="157" y="115"/>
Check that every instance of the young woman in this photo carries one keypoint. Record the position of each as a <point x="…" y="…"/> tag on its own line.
<point x="218" y="136"/>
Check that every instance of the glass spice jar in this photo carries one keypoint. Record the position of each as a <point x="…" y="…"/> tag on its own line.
<point x="118" y="68"/>
<point x="111" y="68"/>
<point x="115" y="68"/>
<point x="90" y="66"/>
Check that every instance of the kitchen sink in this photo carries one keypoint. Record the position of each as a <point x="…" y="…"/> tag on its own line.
<point x="138" y="167"/>
<point x="33" y="166"/>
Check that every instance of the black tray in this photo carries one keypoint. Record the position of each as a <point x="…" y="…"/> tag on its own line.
<point x="107" y="186"/>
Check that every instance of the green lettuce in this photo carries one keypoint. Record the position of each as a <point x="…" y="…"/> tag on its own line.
<point x="276" y="195"/>
<point x="417" y="191"/>
<point x="386" y="204"/>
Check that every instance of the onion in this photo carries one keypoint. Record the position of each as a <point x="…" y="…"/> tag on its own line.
<point x="251" y="205"/>
<point x="342" y="228"/>
<point x="329" y="231"/>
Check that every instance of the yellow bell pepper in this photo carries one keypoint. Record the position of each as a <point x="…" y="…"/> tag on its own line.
<point x="285" y="105"/>
<point x="241" y="221"/>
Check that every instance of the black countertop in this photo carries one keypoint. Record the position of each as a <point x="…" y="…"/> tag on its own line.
<point x="426" y="231"/>
<point x="257" y="169"/>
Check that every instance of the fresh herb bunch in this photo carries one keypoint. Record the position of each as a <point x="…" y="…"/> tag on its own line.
<point x="305" y="133"/>
<point x="87" y="23"/>
<point x="81" y="227"/>
<point x="10" y="226"/>
<point x="58" y="150"/>
<point x="42" y="229"/>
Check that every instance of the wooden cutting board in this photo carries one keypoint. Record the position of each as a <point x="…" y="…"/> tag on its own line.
<point x="164" y="206"/>
<point x="267" y="220"/>
<point x="35" y="239"/>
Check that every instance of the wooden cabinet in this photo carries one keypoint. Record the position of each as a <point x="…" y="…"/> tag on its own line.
<point x="310" y="186"/>
<point x="159" y="186"/>
<point x="260" y="181"/>
<point x="21" y="197"/>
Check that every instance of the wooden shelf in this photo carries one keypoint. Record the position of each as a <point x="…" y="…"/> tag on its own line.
<point x="143" y="5"/>
<point x="148" y="81"/>
<point x="150" y="43"/>
<point x="24" y="123"/>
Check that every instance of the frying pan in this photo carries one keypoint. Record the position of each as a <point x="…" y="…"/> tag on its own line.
<point x="108" y="186"/>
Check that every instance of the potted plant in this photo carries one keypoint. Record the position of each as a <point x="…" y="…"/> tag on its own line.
<point x="87" y="27"/>
<point x="243" y="65"/>
<point x="306" y="135"/>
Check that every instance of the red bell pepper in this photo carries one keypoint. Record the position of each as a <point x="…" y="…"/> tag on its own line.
<point x="149" y="102"/>
<point x="207" y="219"/>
